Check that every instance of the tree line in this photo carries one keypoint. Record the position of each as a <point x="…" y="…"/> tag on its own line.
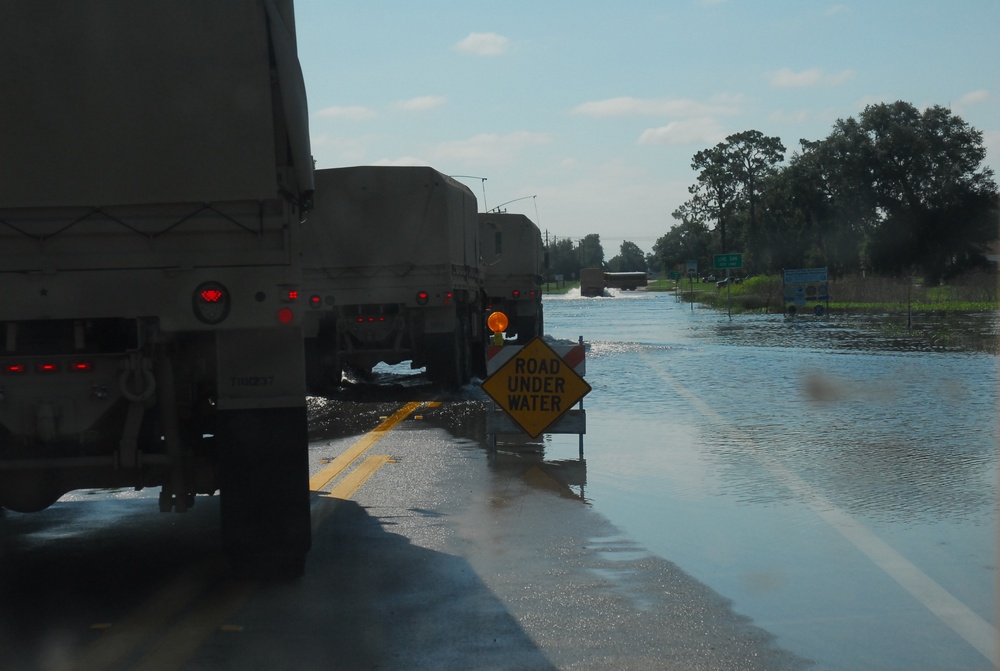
<point x="893" y="191"/>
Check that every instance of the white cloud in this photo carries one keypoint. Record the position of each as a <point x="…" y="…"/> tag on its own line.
<point x="421" y="104"/>
<point x="626" y="106"/>
<point x="354" y="113"/>
<point x="788" y="78"/>
<point x="833" y="10"/>
<point x="973" y="97"/>
<point x="685" y="131"/>
<point x="483" y="44"/>
<point x="488" y="148"/>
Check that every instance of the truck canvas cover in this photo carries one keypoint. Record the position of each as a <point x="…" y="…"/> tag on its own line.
<point x="174" y="93"/>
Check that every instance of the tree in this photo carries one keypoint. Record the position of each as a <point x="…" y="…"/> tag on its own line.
<point x="688" y="240"/>
<point x="907" y="188"/>
<point x="714" y="195"/>
<point x="591" y="252"/>
<point x="752" y="157"/>
<point x="567" y="258"/>
<point x="630" y="259"/>
<point x="730" y="177"/>
<point x="563" y="258"/>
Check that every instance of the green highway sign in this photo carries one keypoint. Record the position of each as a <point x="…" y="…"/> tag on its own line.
<point x="723" y="261"/>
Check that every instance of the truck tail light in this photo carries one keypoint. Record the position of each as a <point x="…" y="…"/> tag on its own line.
<point x="515" y="294"/>
<point x="211" y="303"/>
<point x="286" y="315"/>
<point x="423" y="297"/>
<point x="447" y="298"/>
<point x="81" y="366"/>
<point x="14" y="369"/>
<point x="47" y="367"/>
<point x="315" y="301"/>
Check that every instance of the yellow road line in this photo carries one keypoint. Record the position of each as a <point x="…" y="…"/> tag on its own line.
<point x="183" y="639"/>
<point x="122" y="640"/>
<point x="353" y="480"/>
<point x="325" y="476"/>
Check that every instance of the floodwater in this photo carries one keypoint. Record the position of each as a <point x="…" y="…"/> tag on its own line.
<point x="837" y="485"/>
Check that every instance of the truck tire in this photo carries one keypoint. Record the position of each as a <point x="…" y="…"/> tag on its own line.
<point x="264" y="484"/>
<point x="446" y="359"/>
<point x="324" y="371"/>
<point x="527" y="328"/>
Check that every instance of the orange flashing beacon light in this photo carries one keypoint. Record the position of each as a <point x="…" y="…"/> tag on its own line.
<point x="497" y="321"/>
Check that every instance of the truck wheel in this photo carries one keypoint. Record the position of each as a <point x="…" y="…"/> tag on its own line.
<point x="527" y="328"/>
<point x="264" y="483"/>
<point x="445" y="361"/>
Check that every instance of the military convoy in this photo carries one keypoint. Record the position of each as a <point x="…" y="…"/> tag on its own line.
<point x="154" y="168"/>
<point x="177" y="277"/>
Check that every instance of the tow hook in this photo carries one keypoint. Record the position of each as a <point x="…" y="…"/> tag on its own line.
<point x="139" y="370"/>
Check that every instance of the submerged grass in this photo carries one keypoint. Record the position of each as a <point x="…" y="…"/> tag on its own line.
<point x="962" y="315"/>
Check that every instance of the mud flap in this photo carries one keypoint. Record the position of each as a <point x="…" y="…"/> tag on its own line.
<point x="264" y="484"/>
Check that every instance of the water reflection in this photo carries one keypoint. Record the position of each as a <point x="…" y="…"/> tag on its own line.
<point x="716" y="442"/>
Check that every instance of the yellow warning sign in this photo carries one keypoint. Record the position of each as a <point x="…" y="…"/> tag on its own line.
<point x="535" y="387"/>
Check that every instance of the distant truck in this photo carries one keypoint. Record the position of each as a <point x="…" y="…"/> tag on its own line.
<point x="154" y="169"/>
<point x="514" y="260"/>
<point x="593" y="281"/>
<point x="392" y="273"/>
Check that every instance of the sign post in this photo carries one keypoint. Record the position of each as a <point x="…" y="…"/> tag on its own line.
<point x="802" y="285"/>
<point x="536" y="387"/>
<point x="726" y="262"/>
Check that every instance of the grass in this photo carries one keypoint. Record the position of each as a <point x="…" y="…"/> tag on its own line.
<point x="960" y="315"/>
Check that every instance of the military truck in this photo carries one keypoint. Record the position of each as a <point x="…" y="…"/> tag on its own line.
<point x="514" y="261"/>
<point x="593" y="281"/>
<point x="154" y="169"/>
<point x="392" y="274"/>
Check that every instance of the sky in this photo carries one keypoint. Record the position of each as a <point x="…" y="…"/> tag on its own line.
<point x="585" y="116"/>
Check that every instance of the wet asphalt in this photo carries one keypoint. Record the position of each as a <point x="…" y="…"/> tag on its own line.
<point x="449" y="556"/>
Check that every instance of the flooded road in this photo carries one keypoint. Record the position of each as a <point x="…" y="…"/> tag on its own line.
<point x="805" y="479"/>
<point x="837" y="485"/>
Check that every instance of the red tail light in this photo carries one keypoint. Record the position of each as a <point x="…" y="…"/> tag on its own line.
<point x="211" y="295"/>
<point x="286" y="316"/>
<point x="81" y="366"/>
<point x="423" y="297"/>
<point x="211" y="302"/>
<point x="516" y="294"/>
<point x="47" y="367"/>
<point x="15" y="369"/>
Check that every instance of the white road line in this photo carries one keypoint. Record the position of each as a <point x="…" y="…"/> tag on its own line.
<point x="962" y="619"/>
